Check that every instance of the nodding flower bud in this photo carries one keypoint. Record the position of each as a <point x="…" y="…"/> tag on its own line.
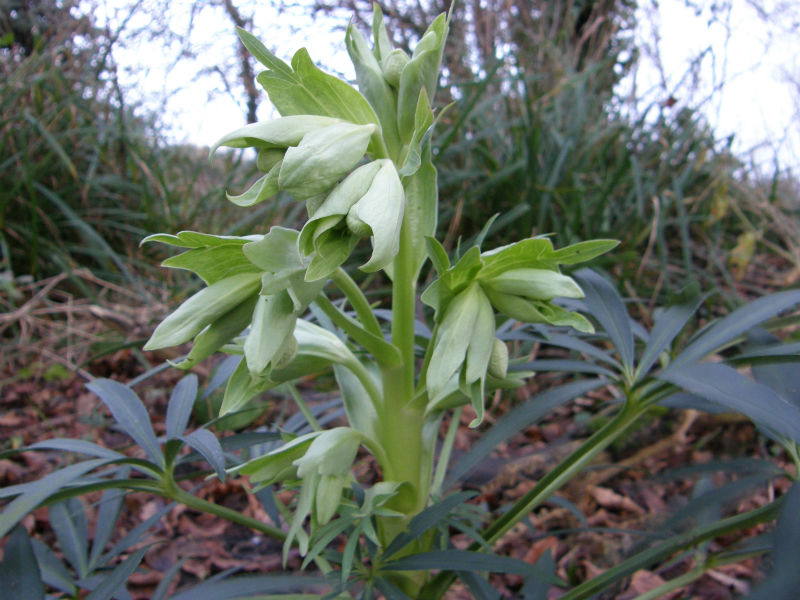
<point x="498" y="362"/>
<point x="288" y="353"/>
<point x="392" y="66"/>
<point x="325" y="468"/>
<point x="368" y="202"/>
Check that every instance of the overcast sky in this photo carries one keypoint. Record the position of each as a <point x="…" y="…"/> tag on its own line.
<point x="742" y="80"/>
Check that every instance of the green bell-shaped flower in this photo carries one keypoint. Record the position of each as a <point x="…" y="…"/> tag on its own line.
<point x="463" y="348"/>
<point x="368" y="202"/>
<point x="302" y="154"/>
<point x="325" y="472"/>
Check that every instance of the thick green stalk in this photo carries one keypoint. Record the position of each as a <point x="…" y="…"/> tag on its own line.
<point x="404" y="293"/>
<point x="179" y="495"/>
<point x="402" y="421"/>
<point x="357" y="300"/>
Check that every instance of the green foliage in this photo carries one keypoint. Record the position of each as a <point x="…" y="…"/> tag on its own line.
<point x="84" y="176"/>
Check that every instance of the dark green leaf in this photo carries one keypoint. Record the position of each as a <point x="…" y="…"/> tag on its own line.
<point x="784" y="580"/>
<point x="36" y="492"/>
<point x="735" y="324"/>
<point x="107" y="515"/>
<point x="19" y="571"/>
<point x="606" y="306"/>
<point x="239" y="587"/>
<point x="162" y="589"/>
<point x="70" y="535"/>
<point x="428" y="518"/>
<point x="209" y="447"/>
<point x="572" y="342"/>
<point x="460" y="560"/>
<point x="569" y="366"/>
<point x="388" y="589"/>
<point x="137" y="534"/>
<point x="53" y="571"/>
<point x="668" y="325"/>
<point x="726" y="386"/>
<point x="477" y="584"/>
<point x="116" y="579"/>
<point x="521" y="417"/>
<point x="181" y="403"/>
<point x="77" y="446"/>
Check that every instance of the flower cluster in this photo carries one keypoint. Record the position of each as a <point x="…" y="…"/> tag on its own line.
<point x="519" y="280"/>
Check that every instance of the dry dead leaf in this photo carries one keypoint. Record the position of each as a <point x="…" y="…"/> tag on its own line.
<point x="610" y="499"/>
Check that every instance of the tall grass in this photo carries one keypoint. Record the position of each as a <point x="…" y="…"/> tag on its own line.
<point x="83" y="178"/>
<point x="550" y="148"/>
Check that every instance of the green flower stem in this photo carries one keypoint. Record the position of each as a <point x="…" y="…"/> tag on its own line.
<point x="357" y="300"/>
<point x="385" y="353"/>
<point x="675" y="544"/>
<point x="709" y="564"/>
<point x="301" y="404"/>
<point x="447" y="448"/>
<point x="401" y="420"/>
<point x="566" y="470"/>
<point x="363" y="376"/>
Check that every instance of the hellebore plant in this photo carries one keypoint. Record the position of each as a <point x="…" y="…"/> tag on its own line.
<point x="361" y="163"/>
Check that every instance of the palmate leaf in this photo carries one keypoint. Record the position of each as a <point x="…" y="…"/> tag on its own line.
<point x="129" y="412"/>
